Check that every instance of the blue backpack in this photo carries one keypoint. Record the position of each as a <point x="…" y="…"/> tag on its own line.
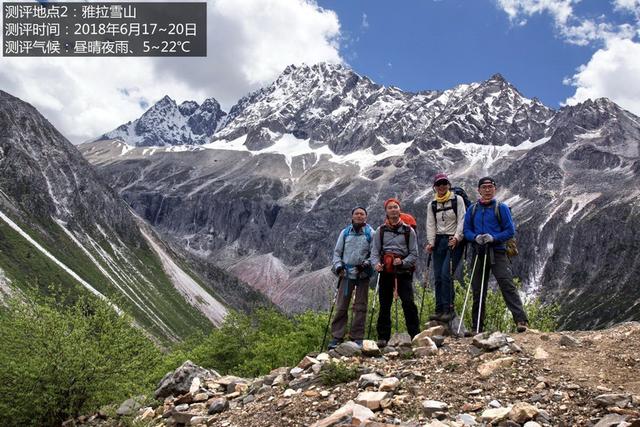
<point x="367" y="232"/>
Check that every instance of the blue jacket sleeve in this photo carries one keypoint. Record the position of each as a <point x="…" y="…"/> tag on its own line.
<point x="375" y="248"/>
<point x="469" y="233"/>
<point x="507" y="226"/>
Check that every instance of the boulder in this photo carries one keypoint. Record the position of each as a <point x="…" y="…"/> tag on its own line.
<point x="611" y="420"/>
<point x="371" y="399"/>
<point x="307" y="362"/>
<point x="429" y="407"/>
<point x="435" y="330"/>
<point x="487" y="369"/>
<point x="367" y="380"/>
<point x="219" y="404"/>
<point x="495" y="414"/>
<point x="523" y="412"/>
<point x="423" y="339"/>
<point x="400" y="340"/>
<point x="426" y="351"/>
<point x="540" y="354"/>
<point x="569" y="341"/>
<point x="129" y="406"/>
<point x="358" y="415"/>
<point x="348" y="349"/>
<point x="490" y="342"/>
<point x="389" y="384"/>
<point x="179" y="381"/>
<point x="370" y="348"/>
<point x="613" y="399"/>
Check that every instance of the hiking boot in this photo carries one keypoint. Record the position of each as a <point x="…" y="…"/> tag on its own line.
<point x="446" y="317"/>
<point x="333" y="343"/>
<point x="522" y="327"/>
<point x="358" y="343"/>
<point x="436" y="316"/>
<point x="381" y="343"/>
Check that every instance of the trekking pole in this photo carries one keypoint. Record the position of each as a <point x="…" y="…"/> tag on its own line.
<point x="484" y="267"/>
<point x="373" y="306"/>
<point x="424" y="288"/>
<point x="333" y="304"/>
<point x="466" y="296"/>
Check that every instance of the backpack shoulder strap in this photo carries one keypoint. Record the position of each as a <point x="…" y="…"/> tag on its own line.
<point x="434" y="208"/>
<point x="382" y="229"/>
<point x="345" y="233"/>
<point x="497" y="212"/>
<point x="367" y="232"/>
<point x="407" y="235"/>
<point x="474" y="207"/>
<point x="454" y="204"/>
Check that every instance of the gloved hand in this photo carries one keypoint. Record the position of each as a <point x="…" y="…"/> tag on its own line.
<point x="488" y="238"/>
<point x="340" y="270"/>
<point x="363" y="267"/>
<point x="480" y="239"/>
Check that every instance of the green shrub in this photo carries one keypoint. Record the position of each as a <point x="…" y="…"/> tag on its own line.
<point x="57" y="362"/>
<point x="254" y="345"/>
<point x="333" y="373"/>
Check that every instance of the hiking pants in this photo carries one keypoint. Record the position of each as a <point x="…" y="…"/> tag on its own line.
<point x="443" y="283"/>
<point x="501" y="269"/>
<point x="405" y="292"/>
<point x="339" y="323"/>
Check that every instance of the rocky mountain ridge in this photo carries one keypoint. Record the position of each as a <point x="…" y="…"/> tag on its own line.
<point x="167" y="123"/>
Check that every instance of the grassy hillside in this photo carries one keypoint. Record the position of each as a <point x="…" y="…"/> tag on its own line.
<point x="141" y="287"/>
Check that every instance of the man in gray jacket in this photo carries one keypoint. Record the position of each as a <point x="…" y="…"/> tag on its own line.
<point x="351" y="263"/>
<point x="394" y="254"/>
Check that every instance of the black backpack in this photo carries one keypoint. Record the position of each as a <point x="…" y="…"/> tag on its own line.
<point x="458" y="191"/>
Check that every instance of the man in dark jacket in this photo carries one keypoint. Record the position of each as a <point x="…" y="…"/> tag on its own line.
<point x="490" y="234"/>
<point x="351" y="263"/>
<point x="393" y="254"/>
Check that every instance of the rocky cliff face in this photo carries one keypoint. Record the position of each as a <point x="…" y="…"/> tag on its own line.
<point x="267" y="194"/>
<point x="62" y="225"/>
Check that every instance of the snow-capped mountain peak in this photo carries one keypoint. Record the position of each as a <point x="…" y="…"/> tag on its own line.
<point x="166" y="123"/>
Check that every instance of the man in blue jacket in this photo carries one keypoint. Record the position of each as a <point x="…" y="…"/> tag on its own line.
<point x="490" y="234"/>
<point x="351" y="262"/>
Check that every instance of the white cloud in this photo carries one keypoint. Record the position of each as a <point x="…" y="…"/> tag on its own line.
<point x="573" y="29"/>
<point x="249" y="44"/>
<point x="589" y="31"/>
<point x="627" y="5"/>
<point x="519" y="10"/>
<point x="612" y="72"/>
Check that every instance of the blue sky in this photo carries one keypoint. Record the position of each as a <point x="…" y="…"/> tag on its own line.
<point x="560" y="51"/>
<point x="420" y="44"/>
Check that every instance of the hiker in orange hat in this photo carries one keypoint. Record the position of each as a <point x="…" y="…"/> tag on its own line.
<point x="394" y="254"/>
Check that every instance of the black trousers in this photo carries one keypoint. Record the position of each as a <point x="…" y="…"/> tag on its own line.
<point x="405" y="292"/>
<point x="497" y="263"/>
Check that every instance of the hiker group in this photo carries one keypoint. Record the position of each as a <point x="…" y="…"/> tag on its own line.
<point x="391" y="250"/>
